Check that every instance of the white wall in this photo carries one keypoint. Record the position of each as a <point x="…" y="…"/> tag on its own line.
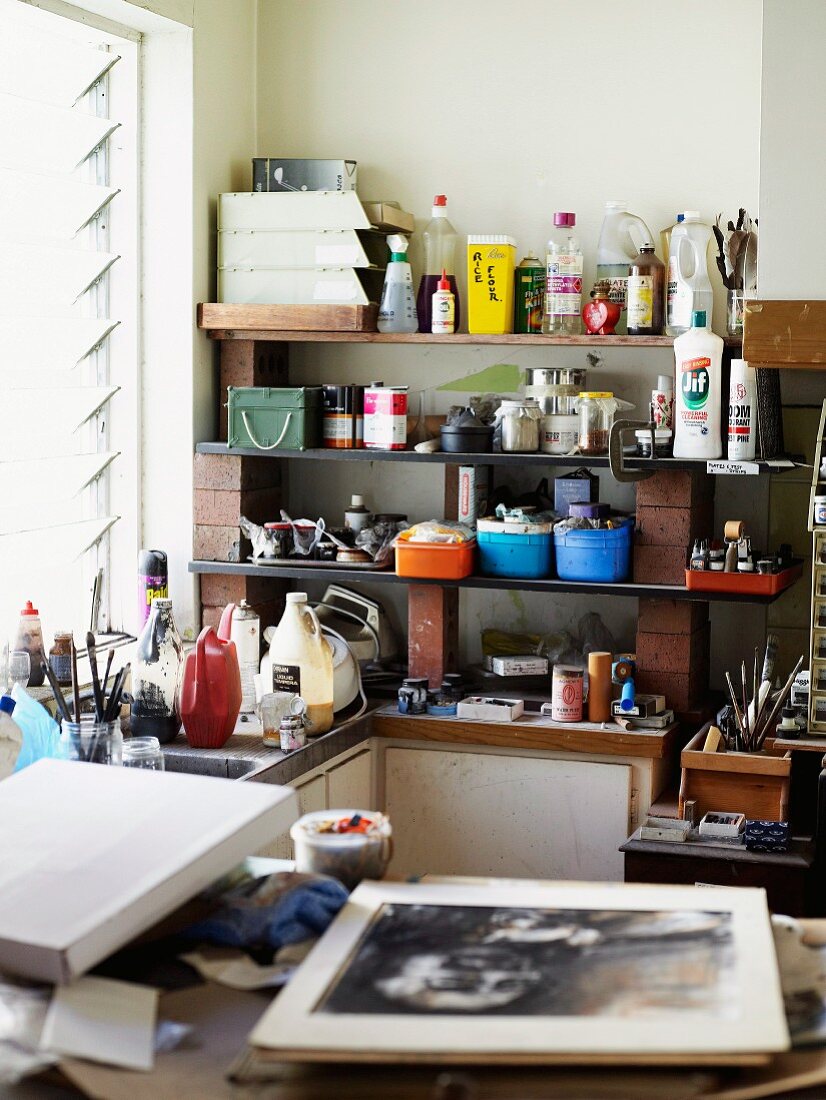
<point x="658" y="104"/>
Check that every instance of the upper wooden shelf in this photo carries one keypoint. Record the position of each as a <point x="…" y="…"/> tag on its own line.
<point x="224" y="321"/>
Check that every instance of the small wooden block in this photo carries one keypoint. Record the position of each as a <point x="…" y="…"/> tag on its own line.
<point x="714" y="741"/>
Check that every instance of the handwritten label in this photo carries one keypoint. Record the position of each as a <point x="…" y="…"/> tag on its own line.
<point x="722" y="466"/>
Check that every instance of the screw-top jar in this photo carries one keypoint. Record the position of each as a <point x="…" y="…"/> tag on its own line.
<point x="520" y="425"/>
<point x="596" y="411"/>
<point x="60" y="658"/>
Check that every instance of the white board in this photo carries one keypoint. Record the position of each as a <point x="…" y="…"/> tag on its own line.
<point x="93" y="855"/>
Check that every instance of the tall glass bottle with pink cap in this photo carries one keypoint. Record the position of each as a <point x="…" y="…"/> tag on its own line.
<point x="439" y="254"/>
<point x="563" y="288"/>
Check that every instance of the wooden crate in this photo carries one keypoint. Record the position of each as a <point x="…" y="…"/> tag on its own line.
<point x="755" y="784"/>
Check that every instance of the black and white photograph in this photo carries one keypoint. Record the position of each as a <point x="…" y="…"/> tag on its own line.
<point x="544" y="962"/>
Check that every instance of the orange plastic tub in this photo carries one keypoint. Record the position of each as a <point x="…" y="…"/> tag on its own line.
<point x="442" y="561"/>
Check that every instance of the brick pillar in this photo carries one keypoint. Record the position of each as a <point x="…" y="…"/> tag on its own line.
<point x="227" y="487"/>
<point x="432" y="631"/>
<point x="673" y="637"/>
<point x="249" y="363"/>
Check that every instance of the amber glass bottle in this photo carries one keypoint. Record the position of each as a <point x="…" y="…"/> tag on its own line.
<point x="646" y="293"/>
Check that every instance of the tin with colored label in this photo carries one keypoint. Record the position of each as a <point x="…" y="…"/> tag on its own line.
<point x="343" y="418"/>
<point x="529" y="295"/>
<point x="385" y="418"/>
<point x="566" y="694"/>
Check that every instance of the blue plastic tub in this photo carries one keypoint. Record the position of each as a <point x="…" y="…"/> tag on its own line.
<point x="513" y="553"/>
<point x="594" y="555"/>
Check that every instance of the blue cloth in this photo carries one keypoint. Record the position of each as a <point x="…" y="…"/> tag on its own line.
<point x="272" y="912"/>
<point x="41" y="734"/>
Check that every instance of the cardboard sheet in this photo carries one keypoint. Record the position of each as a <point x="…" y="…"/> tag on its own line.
<point x="103" y="1020"/>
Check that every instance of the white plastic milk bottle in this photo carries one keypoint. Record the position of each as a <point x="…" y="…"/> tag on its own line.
<point x="698" y="355"/>
<point x="689" y="287"/>
<point x="302" y="662"/>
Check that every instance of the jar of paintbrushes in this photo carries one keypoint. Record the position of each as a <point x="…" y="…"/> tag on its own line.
<point x="90" y="741"/>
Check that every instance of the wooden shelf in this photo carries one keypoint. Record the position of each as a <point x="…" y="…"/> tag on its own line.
<point x="443" y="458"/>
<point x="225" y="321"/>
<point x="517" y="584"/>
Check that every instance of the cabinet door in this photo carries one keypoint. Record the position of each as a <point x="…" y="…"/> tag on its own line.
<point x="349" y="785"/>
<point x="312" y="795"/>
<point x="472" y="813"/>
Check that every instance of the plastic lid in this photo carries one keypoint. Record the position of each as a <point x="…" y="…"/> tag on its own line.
<point x="691" y="216"/>
<point x="596" y="393"/>
<point x="616" y="204"/>
<point x="698" y="318"/>
<point x="296" y="597"/>
<point x="646" y="246"/>
<point x="444" y="283"/>
<point x="356" y="501"/>
<point x="440" y="200"/>
<point x="665" y="383"/>
<point x="561" y="218"/>
<point x="29" y="609"/>
<point x="680" y="218"/>
<point x="7" y="704"/>
<point x="659" y="433"/>
<point x="398" y="246"/>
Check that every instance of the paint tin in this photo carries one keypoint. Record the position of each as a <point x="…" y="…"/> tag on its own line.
<point x="343" y="418"/>
<point x="529" y="295"/>
<point x="558" y="434"/>
<point x="819" y="511"/>
<point x="385" y="417"/>
<point x="566" y="694"/>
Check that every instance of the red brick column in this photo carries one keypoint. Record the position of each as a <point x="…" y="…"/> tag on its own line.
<point x="673" y="508"/>
<point x="249" y="363"/>
<point x="673" y="639"/>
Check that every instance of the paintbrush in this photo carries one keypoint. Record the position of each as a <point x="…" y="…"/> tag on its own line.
<point x="756" y="689"/>
<point x="58" y="694"/>
<point x="109" y="660"/>
<point x="113" y="705"/>
<point x="784" y="691"/>
<point x="746" y="727"/>
<point x="75" y="687"/>
<point x="737" y="718"/>
<point x="766" y="677"/>
<point x="92" y="654"/>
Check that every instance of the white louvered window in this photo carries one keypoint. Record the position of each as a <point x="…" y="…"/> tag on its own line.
<point x="68" y="126"/>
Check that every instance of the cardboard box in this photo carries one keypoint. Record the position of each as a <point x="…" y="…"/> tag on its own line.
<point x="490" y="709"/>
<point x="94" y="855"/>
<point x="288" y="174"/>
<point x="520" y="666"/>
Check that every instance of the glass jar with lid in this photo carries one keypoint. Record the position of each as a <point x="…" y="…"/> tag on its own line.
<point x="596" y="412"/>
<point x="520" y="421"/>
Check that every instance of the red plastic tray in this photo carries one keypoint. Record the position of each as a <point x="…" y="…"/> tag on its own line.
<point x="755" y="584"/>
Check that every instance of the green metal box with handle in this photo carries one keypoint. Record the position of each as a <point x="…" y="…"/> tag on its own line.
<point x="269" y="419"/>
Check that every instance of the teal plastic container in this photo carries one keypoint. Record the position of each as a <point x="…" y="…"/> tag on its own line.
<point x="518" y="552"/>
<point x="589" y="555"/>
<point x="270" y="419"/>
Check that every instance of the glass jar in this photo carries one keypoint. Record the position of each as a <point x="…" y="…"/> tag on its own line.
<point x="292" y="732"/>
<point x="60" y="658"/>
<point x="143" y="752"/>
<point x="662" y="442"/>
<point x="520" y="425"/>
<point x="91" y="742"/>
<point x="596" y="411"/>
<point x="413" y="696"/>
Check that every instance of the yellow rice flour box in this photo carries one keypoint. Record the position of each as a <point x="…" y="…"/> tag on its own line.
<point x="490" y="266"/>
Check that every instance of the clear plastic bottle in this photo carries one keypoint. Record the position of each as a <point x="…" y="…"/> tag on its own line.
<point x="397" y="310"/>
<point x="689" y="287"/>
<point x="563" y="286"/>
<point x="440" y="239"/>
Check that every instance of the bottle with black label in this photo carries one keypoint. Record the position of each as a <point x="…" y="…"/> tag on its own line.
<point x="302" y="662"/>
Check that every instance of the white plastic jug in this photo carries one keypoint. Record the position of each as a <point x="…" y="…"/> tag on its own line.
<point x="620" y="239"/>
<point x="689" y="287"/>
<point x="302" y="662"/>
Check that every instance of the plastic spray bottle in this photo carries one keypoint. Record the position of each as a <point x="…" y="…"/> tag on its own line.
<point x="440" y="239"/>
<point x="742" y="411"/>
<point x="397" y="311"/>
<point x="444" y="308"/>
<point x="698" y="354"/>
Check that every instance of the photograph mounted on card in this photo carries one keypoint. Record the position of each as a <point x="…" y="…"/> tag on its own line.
<point x="535" y="973"/>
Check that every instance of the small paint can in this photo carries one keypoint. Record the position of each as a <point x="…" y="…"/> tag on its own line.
<point x="529" y="295"/>
<point x="820" y="511"/>
<point x="385" y="417"/>
<point x="559" y="434"/>
<point x="343" y="418"/>
<point x="566" y="694"/>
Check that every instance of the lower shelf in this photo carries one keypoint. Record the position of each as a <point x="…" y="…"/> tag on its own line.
<point x="633" y="591"/>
